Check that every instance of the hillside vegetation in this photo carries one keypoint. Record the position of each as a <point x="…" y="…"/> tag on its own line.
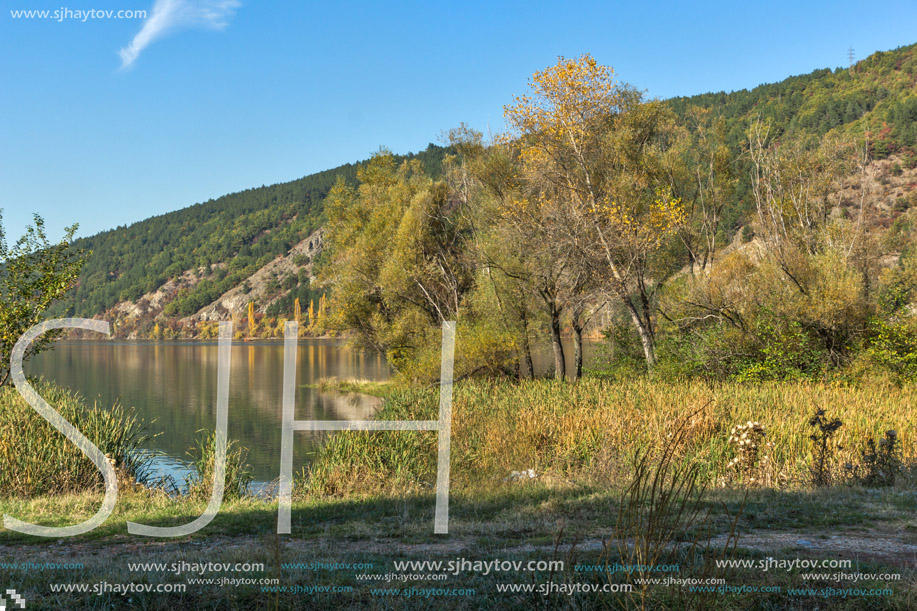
<point x="744" y="240"/>
<point x="175" y="274"/>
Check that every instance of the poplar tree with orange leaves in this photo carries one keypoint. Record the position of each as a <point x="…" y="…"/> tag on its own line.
<point x="592" y="159"/>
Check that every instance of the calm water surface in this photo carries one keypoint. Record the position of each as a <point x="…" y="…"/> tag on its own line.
<point x="172" y="386"/>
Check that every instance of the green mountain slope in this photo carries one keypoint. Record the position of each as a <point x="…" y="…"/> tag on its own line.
<point x="873" y="102"/>
<point x="877" y="95"/>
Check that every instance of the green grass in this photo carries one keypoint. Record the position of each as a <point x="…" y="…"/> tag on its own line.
<point x="513" y="521"/>
<point x="366" y="387"/>
<point x="369" y="498"/>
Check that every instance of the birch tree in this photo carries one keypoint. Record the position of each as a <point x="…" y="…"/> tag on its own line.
<point x="593" y="153"/>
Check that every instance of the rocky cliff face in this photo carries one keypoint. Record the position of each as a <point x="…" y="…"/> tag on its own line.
<point x="259" y="287"/>
<point x="146" y="317"/>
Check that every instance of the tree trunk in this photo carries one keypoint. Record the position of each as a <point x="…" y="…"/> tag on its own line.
<point x="560" y="365"/>
<point x="649" y="347"/>
<point x="526" y="347"/>
<point x="645" y="332"/>
<point x="577" y="350"/>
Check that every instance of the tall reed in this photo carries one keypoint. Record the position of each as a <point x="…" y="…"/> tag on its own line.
<point x="203" y="460"/>
<point x="36" y="459"/>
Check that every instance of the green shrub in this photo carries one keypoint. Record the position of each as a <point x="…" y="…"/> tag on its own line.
<point x="785" y="351"/>
<point x="893" y="346"/>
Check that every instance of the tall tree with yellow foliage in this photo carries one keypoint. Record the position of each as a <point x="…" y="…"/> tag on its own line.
<point x="593" y="162"/>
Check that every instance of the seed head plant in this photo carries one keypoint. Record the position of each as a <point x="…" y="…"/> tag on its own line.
<point x="748" y="441"/>
<point x="823" y="450"/>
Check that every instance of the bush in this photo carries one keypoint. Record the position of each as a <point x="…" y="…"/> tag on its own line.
<point x="785" y="352"/>
<point x="893" y="347"/>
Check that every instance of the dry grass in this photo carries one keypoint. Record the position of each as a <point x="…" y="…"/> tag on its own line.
<point x="585" y="431"/>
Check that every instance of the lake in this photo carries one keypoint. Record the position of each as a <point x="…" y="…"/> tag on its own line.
<point x="172" y="386"/>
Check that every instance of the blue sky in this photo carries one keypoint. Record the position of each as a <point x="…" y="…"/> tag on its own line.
<point x="222" y="95"/>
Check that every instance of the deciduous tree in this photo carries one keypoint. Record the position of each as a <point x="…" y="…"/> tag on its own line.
<point x="594" y="153"/>
<point x="34" y="273"/>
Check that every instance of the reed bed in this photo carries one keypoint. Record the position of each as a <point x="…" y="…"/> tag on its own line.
<point x="36" y="459"/>
<point x="589" y="431"/>
<point x="238" y="473"/>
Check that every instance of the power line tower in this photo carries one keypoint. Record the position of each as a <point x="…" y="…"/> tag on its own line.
<point x="850" y="58"/>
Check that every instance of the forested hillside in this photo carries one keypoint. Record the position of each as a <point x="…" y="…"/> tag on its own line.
<point x="873" y="102"/>
<point x="877" y="95"/>
<point x="216" y="245"/>
<point x="156" y="277"/>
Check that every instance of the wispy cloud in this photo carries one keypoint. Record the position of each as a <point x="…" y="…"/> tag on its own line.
<point x="168" y="16"/>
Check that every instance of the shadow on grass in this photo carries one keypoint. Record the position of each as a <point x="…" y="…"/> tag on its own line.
<point x="522" y="521"/>
<point x="515" y="512"/>
<point x="410" y="516"/>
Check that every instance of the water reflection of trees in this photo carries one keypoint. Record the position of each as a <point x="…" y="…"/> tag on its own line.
<point x="175" y="385"/>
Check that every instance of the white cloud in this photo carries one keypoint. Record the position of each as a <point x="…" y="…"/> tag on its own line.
<point x="170" y="15"/>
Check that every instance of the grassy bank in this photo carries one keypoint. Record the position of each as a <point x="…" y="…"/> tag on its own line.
<point x="369" y="500"/>
<point x="526" y="521"/>
<point x="366" y="387"/>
